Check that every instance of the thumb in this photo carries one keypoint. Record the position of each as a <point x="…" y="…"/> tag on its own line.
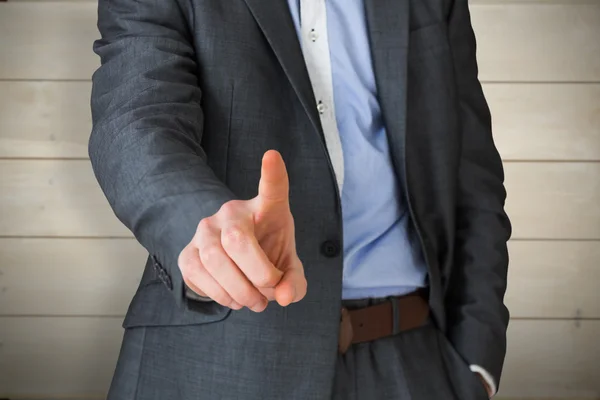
<point x="293" y="286"/>
<point x="274" y="186"/>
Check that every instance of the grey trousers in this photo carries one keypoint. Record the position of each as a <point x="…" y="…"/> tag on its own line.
<point x="419" y="364"/>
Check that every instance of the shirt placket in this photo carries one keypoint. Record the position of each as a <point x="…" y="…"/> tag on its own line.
<point x="315" y="47"/>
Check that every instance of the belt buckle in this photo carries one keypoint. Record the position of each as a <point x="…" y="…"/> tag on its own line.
<point x="346" y="333"/>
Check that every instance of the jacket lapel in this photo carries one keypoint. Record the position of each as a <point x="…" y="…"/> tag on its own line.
<point x="275" y="21"/>
<point x="388" y="22"/>
<point x="389" y="30"/>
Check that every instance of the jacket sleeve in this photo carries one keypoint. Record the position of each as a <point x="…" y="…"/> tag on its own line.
<point x="477" y="316"/>
<point x="147" y="128"/>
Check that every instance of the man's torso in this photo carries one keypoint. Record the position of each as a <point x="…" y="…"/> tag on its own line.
<point x="256" y="96"/>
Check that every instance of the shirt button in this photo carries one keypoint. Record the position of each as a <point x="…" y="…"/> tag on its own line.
<point x="321" y="107"/>
<point x="313" y="35"/>
<point x="330" y="248"/>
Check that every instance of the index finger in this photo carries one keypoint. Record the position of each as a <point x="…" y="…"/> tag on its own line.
<point x="273" y="187"/>
<point x="243" y="248"/>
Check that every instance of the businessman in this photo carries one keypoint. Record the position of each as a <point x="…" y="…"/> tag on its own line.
<point x="319" y="193"/>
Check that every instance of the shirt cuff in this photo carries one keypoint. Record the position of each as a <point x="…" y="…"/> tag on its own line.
<point x="190" y="294"/>
<point x="486" y="376"/>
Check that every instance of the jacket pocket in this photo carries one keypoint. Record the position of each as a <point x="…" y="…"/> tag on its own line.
<point x="466" y="383"/>
<point x="154" y="305"/>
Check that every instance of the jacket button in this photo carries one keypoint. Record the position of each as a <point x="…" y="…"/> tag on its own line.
<point x="330" y="248"/>
<point x="165" y="278"/>
<point x="168" y="283"/>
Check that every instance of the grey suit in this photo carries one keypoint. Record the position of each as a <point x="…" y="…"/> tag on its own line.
<point x="190" y="95"/>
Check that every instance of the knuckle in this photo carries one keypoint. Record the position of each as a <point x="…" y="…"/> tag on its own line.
<point x="210" y="254"/>
<point x="205" y="225"/>
<point x="229" y="209"/>
<point x="191" y="274"/>
<point x="234" y="237"/>
<point x="200" y="240"/>
<point x="204" y="232"/>
<point x="268" y="279"/>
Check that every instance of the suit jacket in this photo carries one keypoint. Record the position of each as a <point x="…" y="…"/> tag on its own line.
<point x="190" y="95"/>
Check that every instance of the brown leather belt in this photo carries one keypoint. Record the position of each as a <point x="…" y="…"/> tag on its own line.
<point x="378" y="321"/>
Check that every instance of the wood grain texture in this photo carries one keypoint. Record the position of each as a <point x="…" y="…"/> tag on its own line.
<point x="76" y="357"/>
<point x="554" y="200"/>
<point x="71" y="277"/>
<point x="61" y="299"/>
<point x="58" y="356"/>
<point x="84" y="277"/>
<point x="44" y="119"/>
<point x="549" y="279"/>
<point x="546" y="121"/>
<point x="54" y="198"/>
<point x="538" y="42"/>
<point x="560" y="40"/>
<point x="62" y="198"/>
<point x="552" y="360"/>
<point x="49" y="40"/>
<point x="531" y="121"/>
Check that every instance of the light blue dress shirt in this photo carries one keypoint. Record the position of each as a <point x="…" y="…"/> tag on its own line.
<point x="380" y="257"/>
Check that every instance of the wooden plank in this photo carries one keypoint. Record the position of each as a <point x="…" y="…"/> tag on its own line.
<point x="62" y="198"/>
<point x="546" y="121"/>
<point x="546" y="279"/>
<point x="531" y="121"/>
<point x="538" y="42"/>
<point x="76" y="357"/>
<point x="102" y="276"/>
<point x="57" y="356"/>
<point x="48" y="40"/>
<point x="550" y="279"/>
<point x="44" y="119"/>
<point x="54" y="198"/>
<point x="554" y="200"/>
<point x="552" y="360"/>
<point x="560" y="44"/>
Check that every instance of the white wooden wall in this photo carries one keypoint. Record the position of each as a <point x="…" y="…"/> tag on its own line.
<point x="68" y="268"/>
